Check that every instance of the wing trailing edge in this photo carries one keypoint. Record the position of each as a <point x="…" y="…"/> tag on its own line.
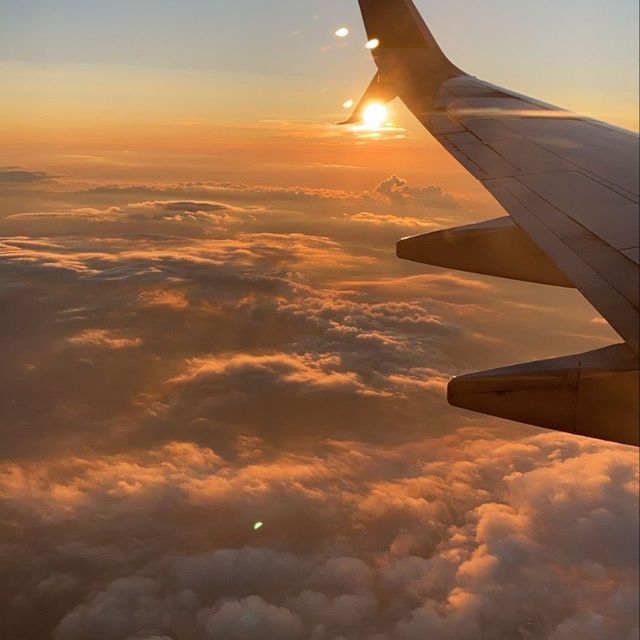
<point x="593" y="394"/>
<point x="378" y="91"/>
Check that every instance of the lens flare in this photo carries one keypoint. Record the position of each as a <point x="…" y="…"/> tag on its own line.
<point x="342" y="32"/>
<point x="372" y="44"/>
<point x="374" y="115"/>
<point x="348" y="104"/>
<point x="258" y="525"/>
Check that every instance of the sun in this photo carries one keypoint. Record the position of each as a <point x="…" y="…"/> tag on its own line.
<point x="374" y="115"/>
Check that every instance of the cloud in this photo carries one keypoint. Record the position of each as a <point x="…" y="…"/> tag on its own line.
<point x="16" y="175"/>
<point x="182" y="211"/>
<point x="397" y="191"/>
<point x="305" y="371"/>
<point x="464" y="541"/>
<point x="191" y="207"/>
<point x="103" y="338"/>
<point x="393" y="190"/>
<point x="237" y="191"/>
<point x="181" y="334"/>
<point x="152" y="257"/>
<point x="164" y="297"/>
<point x="390" y="219"/>
<point x="329" y="308"/>
<point x="250" y="619"/>
<point x="84" y="213"/>
<point x="366" y="218"/>
<point x="183" y="361"/>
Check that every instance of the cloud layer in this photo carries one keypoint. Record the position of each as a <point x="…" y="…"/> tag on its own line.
<point x="478" y="536"/>
<point x="182" y="361"/>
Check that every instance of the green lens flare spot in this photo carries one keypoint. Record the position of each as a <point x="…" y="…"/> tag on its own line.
<point x="258" y="525"/>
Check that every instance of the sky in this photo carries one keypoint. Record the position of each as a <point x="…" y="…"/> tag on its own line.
<point x="205" y="327"/>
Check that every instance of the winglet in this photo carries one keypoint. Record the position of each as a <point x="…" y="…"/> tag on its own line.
<point x="410" y="63"/>
<point x="378" y="91"/>
<point x="397" y="24"/>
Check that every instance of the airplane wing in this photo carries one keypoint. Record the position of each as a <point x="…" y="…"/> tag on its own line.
<point x="570" y="187"/>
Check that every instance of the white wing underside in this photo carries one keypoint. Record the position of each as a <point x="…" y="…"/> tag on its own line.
<point x="570" y="186"/>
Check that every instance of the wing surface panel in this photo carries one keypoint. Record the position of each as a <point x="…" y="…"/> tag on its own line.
<point x="545" y="159"/>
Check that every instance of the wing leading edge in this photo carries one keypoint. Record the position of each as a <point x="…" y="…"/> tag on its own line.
<point x="570" y="187"/>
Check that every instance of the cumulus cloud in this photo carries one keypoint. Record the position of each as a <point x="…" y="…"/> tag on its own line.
<point x="250" y="619"/>
<point x="397" y="191"/>
<point x="459" y="543"/>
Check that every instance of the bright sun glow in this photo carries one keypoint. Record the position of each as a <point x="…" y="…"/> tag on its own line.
<point x="342" y="32"/>
<point x="372" y="44"/>
<point x="374" y="115"/>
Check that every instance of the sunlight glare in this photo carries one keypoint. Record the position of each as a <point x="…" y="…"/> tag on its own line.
<point x="348" y="104"/>
<point x="372" y="44"/>
<point x="374" y="115"/>
<point x="342" y="32"/>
